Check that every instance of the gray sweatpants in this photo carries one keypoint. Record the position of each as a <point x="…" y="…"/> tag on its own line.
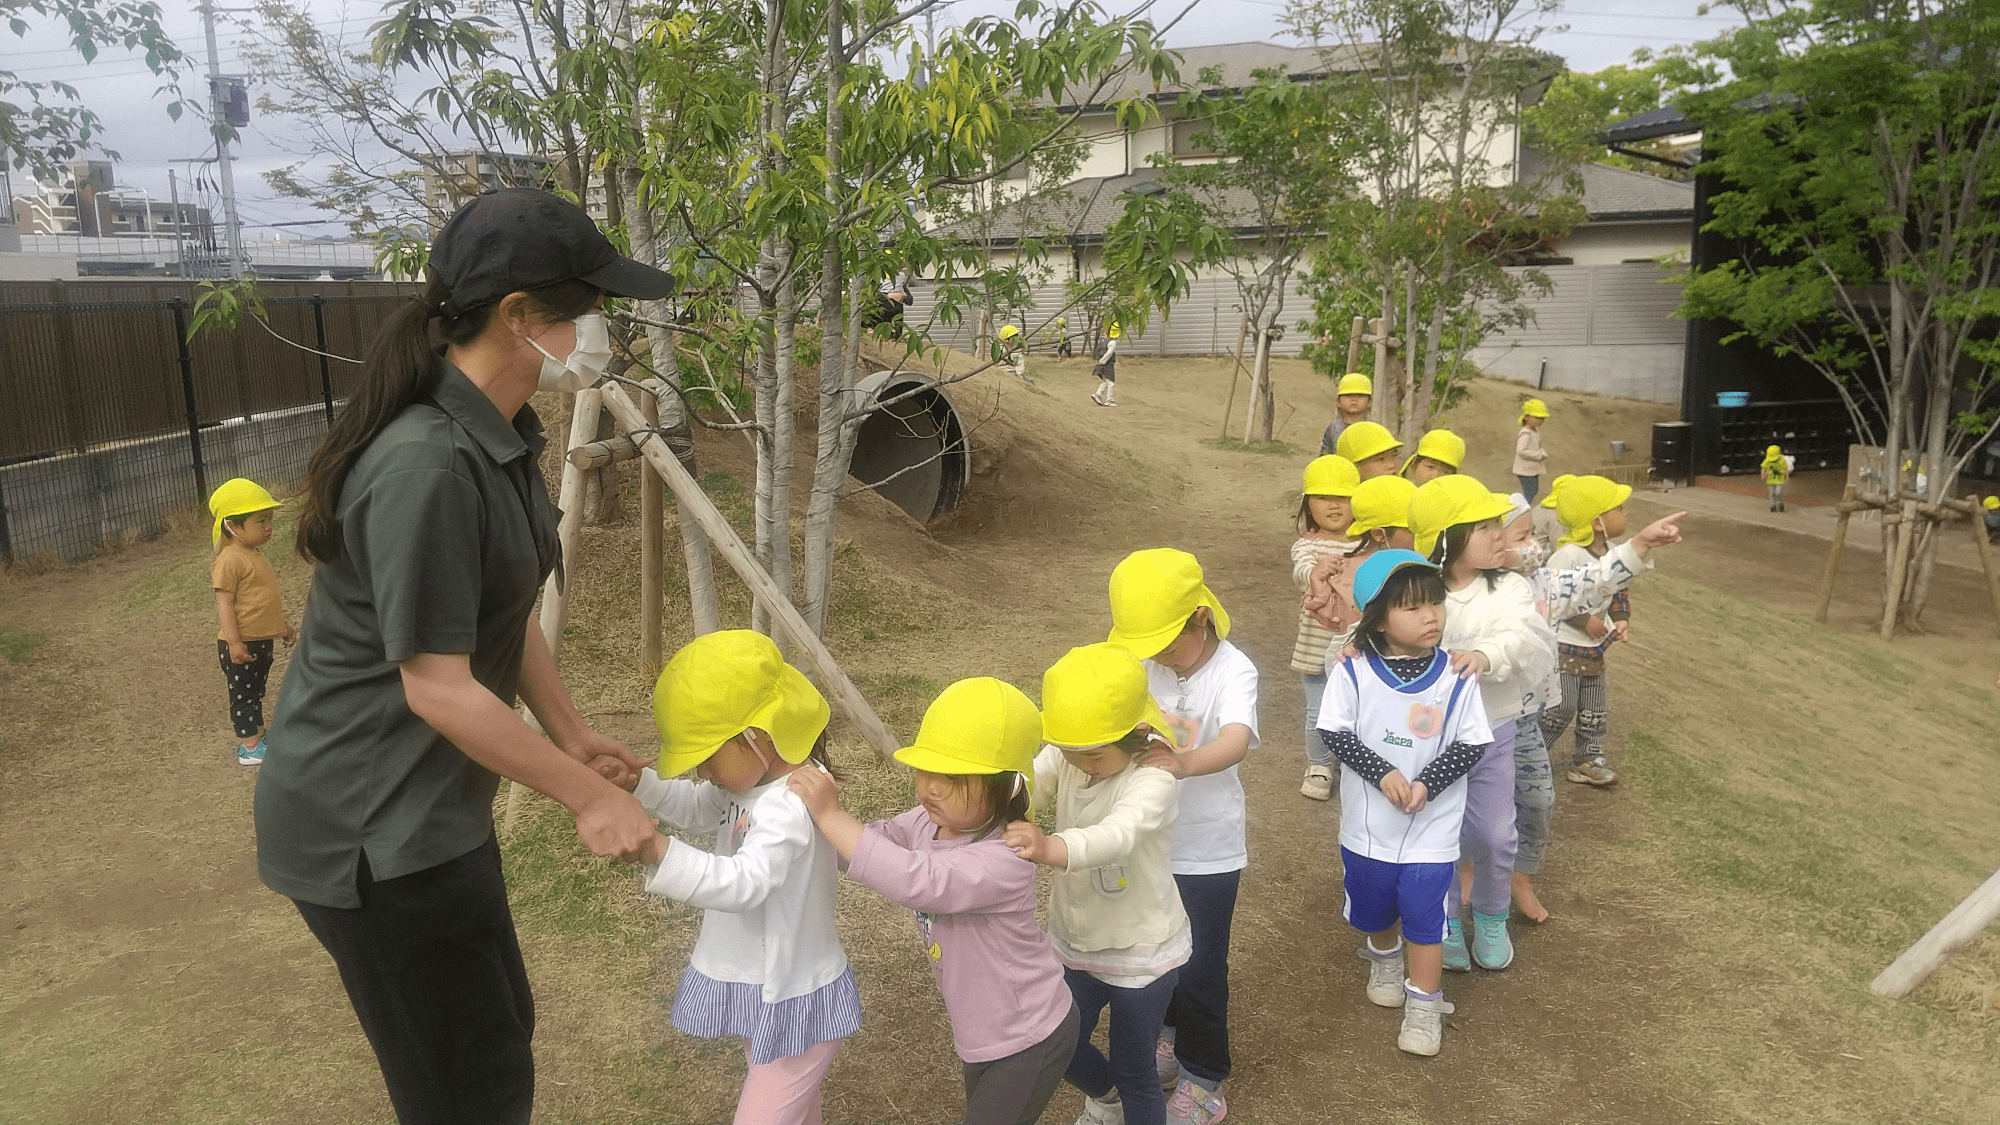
<point x="1534" y="794"/>
<point x="1014" y="1090"/>
<point x="1585" y="699"/>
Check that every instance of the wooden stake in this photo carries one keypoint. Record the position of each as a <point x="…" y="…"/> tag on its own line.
<point x="1906" y="535"/>
<point x="1987" y="562"/>
<point x="555" y="596"/>
<point x="1833" y="556"/>
<point x="1353" y="344"/>
<point x="1966" y="921"/>
<point x="652" y="542"/>
<point x="691" y="498"/>
<point x="1235" y="369"/>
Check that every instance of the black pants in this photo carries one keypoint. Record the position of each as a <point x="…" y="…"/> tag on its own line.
<point x="434" y="972"/>
<point x="246" y="685"/>
<point x="1014" y="1090"/>
<point x="1199" y="1013"/>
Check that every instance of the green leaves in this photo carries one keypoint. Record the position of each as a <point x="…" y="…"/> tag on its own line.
<point x="221" y="305"/>
<point x="42" y="136"/>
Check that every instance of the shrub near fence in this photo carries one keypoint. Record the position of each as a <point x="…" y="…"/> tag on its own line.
<point x="110" y="419"/>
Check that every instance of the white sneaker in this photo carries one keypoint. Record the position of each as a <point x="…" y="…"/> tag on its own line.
<point x="1101" y="1113"/>
<point x="1318" y="784"/>
<point x="1385" y="976"/>
<point x="1423" y="1026"/>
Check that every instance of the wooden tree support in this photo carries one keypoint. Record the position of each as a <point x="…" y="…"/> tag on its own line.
<point x="598" y="454"/>
<point x="692" y="499"/>
<point x="1899" y="514"/>
<point x="1966" y="922"/>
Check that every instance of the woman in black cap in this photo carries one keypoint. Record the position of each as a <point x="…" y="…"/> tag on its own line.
<point x="431" y="527"/>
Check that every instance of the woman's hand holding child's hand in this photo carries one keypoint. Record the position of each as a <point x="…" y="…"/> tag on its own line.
<point x="816" y="788"/>
<point x="614" y="770"/>
<point x="1031" y="844"/>
<point x="653" y="851"/>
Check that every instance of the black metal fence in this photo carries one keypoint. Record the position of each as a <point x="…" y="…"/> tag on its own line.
<point x="111" y="419"/>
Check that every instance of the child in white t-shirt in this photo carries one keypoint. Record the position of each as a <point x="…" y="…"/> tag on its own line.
<point x="1207" y="688"/>
<point x="1405" y="729"/>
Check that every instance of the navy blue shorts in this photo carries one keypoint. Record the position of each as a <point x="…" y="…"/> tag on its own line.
<point x="1379" y="894"/>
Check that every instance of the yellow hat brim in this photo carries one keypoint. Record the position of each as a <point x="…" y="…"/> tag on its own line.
<point x="794" y="717"/>
<point x="1148" y="645"/>
<point x="1086" y="739"/>
<point x="1412" y="459"/>
<point x="1494" y="506"/>
<point x="936" y="761"/>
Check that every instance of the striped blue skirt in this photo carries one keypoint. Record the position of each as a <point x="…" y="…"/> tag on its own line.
<point x="711" y="1009"/>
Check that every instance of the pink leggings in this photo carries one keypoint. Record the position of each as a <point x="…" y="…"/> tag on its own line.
<point x="785" y="1091"/>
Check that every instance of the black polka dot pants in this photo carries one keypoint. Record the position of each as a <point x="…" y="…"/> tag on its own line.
<point x="246" y="685"/>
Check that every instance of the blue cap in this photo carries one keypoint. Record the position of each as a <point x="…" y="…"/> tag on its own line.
<point x="1374" y="572"/>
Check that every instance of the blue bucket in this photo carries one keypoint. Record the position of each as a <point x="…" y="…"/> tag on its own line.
<point x="1732" y="398"/>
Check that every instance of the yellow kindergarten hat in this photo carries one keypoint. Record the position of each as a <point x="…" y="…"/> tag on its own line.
<point x="1991" y="503"/>
<point x="1381" y="502"/>
<point x="1534" y="408"/>
<point x="1113" y="329"/>
<point x="237" y="497"/>
<point x="1584" y="499"/>
<point x="1439" y="445"/>
<point x="977" y="726"/>
<point x="1097" y="694"/>
<point x="1363" y="440"/>
<point x="1555" y="489"/>
<point x="1008" y="332"/>
<point x="1331" y="475"/>
<point x="1449" y="501"/>
<point x="1355" y="383"/>
<point x="721" y="685"/>
<point x="1153" y="593"/>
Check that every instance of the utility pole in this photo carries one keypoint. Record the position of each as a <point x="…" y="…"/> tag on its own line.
<point x="235" y="229"/>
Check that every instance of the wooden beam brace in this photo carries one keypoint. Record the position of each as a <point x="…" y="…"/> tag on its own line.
<point x="688" y="494"/>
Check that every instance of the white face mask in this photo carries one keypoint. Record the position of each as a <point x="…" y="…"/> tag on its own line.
<point x="1532" y="555"/>
<point x="587" y="361"/>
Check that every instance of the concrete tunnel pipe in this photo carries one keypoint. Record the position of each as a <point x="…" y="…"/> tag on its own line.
<point x="913" y="452"/>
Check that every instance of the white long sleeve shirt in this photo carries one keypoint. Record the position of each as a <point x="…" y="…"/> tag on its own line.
<point x="1118" y="889"/>
<point x="1587" y="587"/>
<point x="767" y="887"/>
<point x="1502" y="622"/>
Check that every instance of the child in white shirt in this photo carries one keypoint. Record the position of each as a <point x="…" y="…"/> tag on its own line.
<point x="1406" y="729"/>
<point x="1115" y="915"/>
<point x="768" y="967"/>
<point x="1162" y="613"/>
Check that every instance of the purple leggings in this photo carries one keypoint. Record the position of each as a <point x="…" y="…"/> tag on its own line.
<point x="1487" y="841"/>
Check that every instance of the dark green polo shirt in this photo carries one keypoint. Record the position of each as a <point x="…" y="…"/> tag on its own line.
<point x="447" y="533"/>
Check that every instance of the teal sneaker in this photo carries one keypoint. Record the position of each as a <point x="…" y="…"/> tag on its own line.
<point x="254" y="756"/>
<point x="1455" y="957"/>
<point x="1491" y="946"/>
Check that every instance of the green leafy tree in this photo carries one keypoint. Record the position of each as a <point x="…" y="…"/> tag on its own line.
<point x="1566" y="122"/>
<point x="1858" y="142"/>
<point x="1434" y="249"/>
<point x="44" y="122"/>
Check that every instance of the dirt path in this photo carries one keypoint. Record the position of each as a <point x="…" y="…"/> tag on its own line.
<point x="148" y="976"/>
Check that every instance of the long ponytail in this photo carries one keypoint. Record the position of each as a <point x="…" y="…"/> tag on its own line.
<point x="400" y="367"/>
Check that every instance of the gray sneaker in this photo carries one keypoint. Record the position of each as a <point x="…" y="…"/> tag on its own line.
<point x="1592" y="771"/>
<point x="1423" y="1026"/>
<point x="1385" y="977"/>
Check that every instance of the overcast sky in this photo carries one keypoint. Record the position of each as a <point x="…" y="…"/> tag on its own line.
<point x="118" y="87"/>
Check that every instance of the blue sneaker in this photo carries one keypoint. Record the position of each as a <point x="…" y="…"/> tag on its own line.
<point x="254" y="756"/>
<point x="1491" y="946"/>
<point x="1455" y="957"/>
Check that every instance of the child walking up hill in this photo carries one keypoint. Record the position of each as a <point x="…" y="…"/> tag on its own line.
<point x="1593" y="510"/>
<point x="1013" y="1023"/>
<point x="1406" y="730"/>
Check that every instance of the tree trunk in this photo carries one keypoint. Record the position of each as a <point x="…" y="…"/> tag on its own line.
<point x="1426" y="398"/>
<point x="835" y="374"/>
<point x="766" y="407"/>
<point x="784" y="432"/>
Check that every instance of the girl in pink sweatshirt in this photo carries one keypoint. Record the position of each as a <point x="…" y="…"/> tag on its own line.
<point x="1012" y="1021"/>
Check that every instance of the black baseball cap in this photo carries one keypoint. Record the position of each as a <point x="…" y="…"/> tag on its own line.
<point x="524" y="238"/>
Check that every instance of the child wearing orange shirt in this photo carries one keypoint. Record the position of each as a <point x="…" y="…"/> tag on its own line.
<point x="247" y="606"/>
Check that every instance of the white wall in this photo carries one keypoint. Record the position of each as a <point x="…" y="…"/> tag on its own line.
<point x="36" y="267"/>
<point x="1607" y="329"/>
<point x="1611" y="243"/>
<point x="1107" y="155"/>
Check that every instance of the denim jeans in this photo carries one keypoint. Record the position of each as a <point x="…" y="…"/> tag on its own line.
<point x="1529" y="485"/>
<point x="1136" y="1017"/>
<point x="1200" y="1007"/>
